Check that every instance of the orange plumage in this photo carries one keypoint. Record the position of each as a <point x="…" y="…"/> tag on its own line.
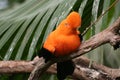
<point x="65" y="40"/>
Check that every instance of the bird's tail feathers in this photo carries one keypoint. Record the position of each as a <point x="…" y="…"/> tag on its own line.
<point x="64" y="69"/>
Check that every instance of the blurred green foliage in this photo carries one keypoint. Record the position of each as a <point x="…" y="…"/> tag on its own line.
<point x="11" y="2"/>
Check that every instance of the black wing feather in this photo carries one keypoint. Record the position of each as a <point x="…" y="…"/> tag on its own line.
<point x="47" y="55"/>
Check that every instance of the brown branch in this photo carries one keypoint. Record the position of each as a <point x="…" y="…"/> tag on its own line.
<point x="39" y="69"/>
<point x="7" y="67"/>
<point x="10" y="67"/>
<point x="110" y="35"/>
<point x="96" y="71"/>
<point x="82" y="71"/>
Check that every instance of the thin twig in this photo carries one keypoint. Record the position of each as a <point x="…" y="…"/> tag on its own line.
<point x="93" y="23"/>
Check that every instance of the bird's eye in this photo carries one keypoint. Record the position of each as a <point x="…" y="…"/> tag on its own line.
<point x="66" y="24"/>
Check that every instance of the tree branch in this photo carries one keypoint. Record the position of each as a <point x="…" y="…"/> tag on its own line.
<point x="110" y="35"/>
<point x="82" y="70"/>
<point x="39" y="70"/>
<point x="96" y="71"/>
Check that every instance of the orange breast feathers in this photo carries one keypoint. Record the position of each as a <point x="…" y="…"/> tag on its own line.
<point x="65" y="40"/>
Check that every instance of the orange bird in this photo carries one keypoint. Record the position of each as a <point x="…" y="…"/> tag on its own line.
<point x="64" y="40"/>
